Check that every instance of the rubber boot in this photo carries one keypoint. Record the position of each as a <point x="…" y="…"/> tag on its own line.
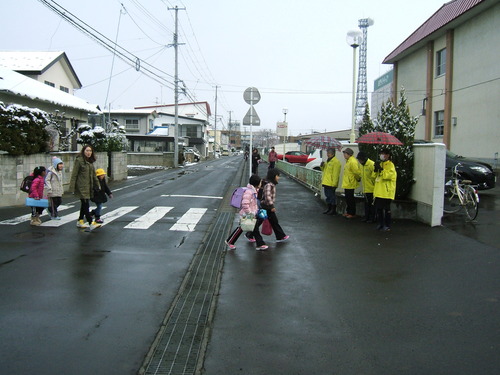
<point x="328" y="209"/>
<point x="333" y="211"/>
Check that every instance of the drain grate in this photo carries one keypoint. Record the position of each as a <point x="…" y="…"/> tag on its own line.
<point x="177" y="348"/>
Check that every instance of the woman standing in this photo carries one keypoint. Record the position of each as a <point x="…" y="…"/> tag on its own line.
<point x="83" y="182"/>
<point x="385" y="189"/>
<point x="268" y="200"/>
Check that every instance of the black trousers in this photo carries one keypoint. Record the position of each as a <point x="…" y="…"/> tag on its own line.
<point x="259" y="241"/>
<point x="369" y="207"/>
<point x="84" y="210"/>
<point x="273" y="219"/>
<point x="350" y="201"/>
<point x="54" y="202"/>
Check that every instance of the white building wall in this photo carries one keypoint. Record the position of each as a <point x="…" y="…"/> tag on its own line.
<point x="412" y="72"/>
<point x="476" y="87"/>
<point x="57" y="75"/>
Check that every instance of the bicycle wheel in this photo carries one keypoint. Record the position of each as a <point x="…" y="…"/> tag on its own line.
<point x="451" y="202"/>
<point x="470" y="203"/>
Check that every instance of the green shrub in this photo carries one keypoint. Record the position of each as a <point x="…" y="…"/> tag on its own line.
<point x="22" y="130"/>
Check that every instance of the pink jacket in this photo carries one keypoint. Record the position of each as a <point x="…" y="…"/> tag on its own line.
<point x="249" y="201"/>
<point x="37" y="187"/>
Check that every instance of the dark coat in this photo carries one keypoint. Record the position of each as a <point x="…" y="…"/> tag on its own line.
<point x="100" y="195"/>
<point x="83" y="178"/>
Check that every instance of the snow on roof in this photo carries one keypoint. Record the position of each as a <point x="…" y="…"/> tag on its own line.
<point x="18" y="84"/>
<point x="159" y="130"/>
<point x="27" y="61"/>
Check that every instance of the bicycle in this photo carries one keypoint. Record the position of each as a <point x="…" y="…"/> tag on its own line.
<point x="460" y="194"/>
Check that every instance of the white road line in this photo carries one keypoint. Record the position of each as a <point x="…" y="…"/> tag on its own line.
<point x="23" y="218"/>
<point x="188" y="221"/>
<point x="151" y="217"/>
<point x="115" y="214"/>
<point x="72" y="217"/>
<point x="191" y="196"/>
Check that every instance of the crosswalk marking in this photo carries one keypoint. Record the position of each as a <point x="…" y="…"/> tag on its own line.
<point x="191" y="196"/>
<point x="188" y="221"/>
<point x="27" y="217"/>
<point x="145" y="221"/>
<point x="115" y="214"/>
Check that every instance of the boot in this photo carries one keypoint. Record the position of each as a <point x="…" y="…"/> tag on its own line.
<point x="33" y="220"/>
<point x="333" y="210"/>
<point x="38" y="220"/>
<point x="388" y="221"/>
<point x="328" y="209"/>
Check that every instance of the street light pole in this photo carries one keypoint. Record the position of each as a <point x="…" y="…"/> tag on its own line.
<point x="285" y="111"/>
<point x="354" y="39"/>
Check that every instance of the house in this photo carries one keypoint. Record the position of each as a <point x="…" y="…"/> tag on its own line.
<point x="44" y="80"/>
<point x="449" y="70"/>
<point x="140" y="124"/>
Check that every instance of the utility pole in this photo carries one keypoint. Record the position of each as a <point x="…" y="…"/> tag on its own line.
<point x="215" y="122"/>
<point x="230" y="125"/>
<point x="176" y="89"/>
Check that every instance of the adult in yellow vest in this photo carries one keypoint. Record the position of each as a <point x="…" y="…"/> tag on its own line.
<point x="330" y="180"/>
<point x="350" y="181"/>
<point x="385" y="189"/>
<point x="368" y="182"/>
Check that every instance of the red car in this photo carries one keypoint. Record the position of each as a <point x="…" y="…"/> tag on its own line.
<point x="296" y="157"/>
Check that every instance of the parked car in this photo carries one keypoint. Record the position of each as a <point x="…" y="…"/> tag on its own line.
<point x="225" y="153"/>
<point x="296" y="157"/>
<point x="480" y="173"/>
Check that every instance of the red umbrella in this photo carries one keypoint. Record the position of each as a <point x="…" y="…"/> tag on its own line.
<point x="324" y="142"/>
<point x="379" y="138"/>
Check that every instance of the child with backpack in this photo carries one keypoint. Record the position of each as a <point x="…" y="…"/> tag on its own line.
<point x="36" y="192"/>
<point x="54" y="187"/>
<point x="249" y="206"/>
<point x="100" y="195"/>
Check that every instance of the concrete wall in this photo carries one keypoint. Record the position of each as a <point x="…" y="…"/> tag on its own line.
<point x="151" y="158"/>
<point x="15" y="168"/>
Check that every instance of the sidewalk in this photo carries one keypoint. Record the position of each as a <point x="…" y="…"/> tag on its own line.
<point x="342" y="298"/>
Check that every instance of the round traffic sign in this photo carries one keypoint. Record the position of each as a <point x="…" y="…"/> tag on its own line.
<point x="251" y="95"/>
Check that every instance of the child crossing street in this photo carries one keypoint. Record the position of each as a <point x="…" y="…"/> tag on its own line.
<point x="100" y="195"/>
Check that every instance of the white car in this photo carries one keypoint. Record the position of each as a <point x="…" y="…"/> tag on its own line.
<point x="318" y="155"/>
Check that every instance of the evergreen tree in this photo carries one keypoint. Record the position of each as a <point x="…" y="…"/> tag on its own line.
<point x="395" y="120"/>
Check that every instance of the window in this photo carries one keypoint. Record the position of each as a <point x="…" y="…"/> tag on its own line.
<point x="65" y="89"/>
<point x="132" y="124"/>
<point x="190" y="131"/>
<point x="50" y="84"/>
<point x="438" y="123"/>
<point x="441" y="62"/>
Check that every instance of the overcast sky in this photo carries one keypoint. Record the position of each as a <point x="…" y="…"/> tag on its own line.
<point x="294" y="52"/>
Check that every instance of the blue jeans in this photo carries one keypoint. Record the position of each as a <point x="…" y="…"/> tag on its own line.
<point x="97" y="211"/>
<point x="330" y="194"/>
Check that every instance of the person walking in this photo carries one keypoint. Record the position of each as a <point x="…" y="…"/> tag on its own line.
<point x="249" y="206"/>
<point x="385" y="189"/>
<point x="350" y="181"/>
<point x="54" y="187"/>
<point x="330" y="180"/>
<point x="368" y="182"/>
<point x="272" y="158"/>
<point x="255" y="161"/>
<point x="100" y="195"/>
<point x="36" y="192"/>
<point x="82" y="183"/>
<point x="268" y="201"/>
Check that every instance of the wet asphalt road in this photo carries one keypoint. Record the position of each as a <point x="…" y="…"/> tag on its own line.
<point x="338" y="298"/>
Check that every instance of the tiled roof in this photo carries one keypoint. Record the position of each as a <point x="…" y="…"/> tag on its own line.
<point x="443" y="16"/>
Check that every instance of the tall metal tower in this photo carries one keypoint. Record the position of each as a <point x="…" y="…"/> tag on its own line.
<point x="361" y="91"/>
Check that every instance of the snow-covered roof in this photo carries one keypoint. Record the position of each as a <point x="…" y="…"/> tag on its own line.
<point x="36" y="62"/>
<point x="18" y="84"/>
<point x="159" y="130"/>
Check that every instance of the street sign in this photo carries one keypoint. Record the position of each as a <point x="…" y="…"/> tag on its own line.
<point x="282" y="128"/>
<point x="251" y="118"/>
<point x="251" y="95"/>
